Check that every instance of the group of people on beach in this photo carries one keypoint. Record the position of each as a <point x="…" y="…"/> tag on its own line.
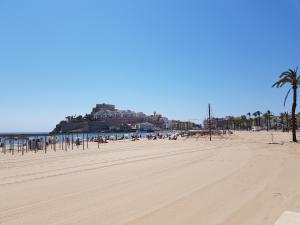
<point x="134" y="137"/>
<point x="162" y="136"/>
<point x="105" y="139"/>
<point x="65" y="142"/>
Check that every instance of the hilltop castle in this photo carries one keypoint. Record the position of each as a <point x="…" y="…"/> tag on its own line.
<point x="106" y="118"/>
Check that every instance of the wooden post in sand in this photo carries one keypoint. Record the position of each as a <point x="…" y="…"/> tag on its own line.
<point x="50" y="142"/>
<point x="72" y="140"/>
<point x="87" y="140"/>
<point x="35" y="145"/>
<point x="98" y="140"/>
<point x="82" y="141"/>
<point x="22" y="150"/>
<point x="61" y="142"/>
<point x="18" y="144"/>
<point x="27" y="143"/>
<point x="45" y="143"/>
<point x="54" y="142"/>
<point x="66" y="143"/>
<point x="77" y="140"/>
<point x="4" y="146"/>
<point x="209" y="121"/>
<point x="13" y="146"/>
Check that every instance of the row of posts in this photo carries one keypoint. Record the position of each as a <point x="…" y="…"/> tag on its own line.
<point x="25" y="144"/>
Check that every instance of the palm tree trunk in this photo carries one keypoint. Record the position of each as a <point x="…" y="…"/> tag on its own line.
<point x="294" y="121"/>
<point x="287" y="123"/>
<point x="249" y="124"/>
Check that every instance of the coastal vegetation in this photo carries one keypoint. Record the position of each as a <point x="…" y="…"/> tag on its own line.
<point x="268" y="115"/>
<point x="257" y="120"/>
<point x="257" y="115"/>
<point x="292" y="78"/>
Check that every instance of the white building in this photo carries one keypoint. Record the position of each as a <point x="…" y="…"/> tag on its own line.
<point x="105" y="114"/>
<point x="145" y="126"/>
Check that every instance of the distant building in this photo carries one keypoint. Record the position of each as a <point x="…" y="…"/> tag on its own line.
<point x="145" y="126"/>
<point x="103" y="106"/>
<point x="106" y="111"/>
<point x="216" y="123"/>
<point x="181" y="125"/>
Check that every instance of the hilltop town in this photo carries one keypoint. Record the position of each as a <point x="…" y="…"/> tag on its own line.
<point x="106" y="118"/>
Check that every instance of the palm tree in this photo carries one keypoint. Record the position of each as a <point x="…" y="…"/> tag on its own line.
<point x="266" y="120"/>
<point x="282" y="121"/>
<point x="287" y="120"/>
<point x="255" y="118"/>
<point x="235" y="123"/>
<point x="249" y="115"/>
<point x="244" y="122"/>
<point x="292" y="78"/>
<point x="268" y="116"/>
<point x="257" y="115"/>
<point x="276" y="122"/>
<point x="231" y="122"/>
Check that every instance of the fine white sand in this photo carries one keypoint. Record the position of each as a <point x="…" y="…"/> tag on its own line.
<point x="236" y="180"/>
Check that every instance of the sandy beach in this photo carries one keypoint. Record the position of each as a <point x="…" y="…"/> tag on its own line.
<point x="237" y="180"/>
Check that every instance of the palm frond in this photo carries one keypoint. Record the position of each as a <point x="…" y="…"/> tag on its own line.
<point x="285" y="74"/>
<point x="298" y="80"/>
<point x="282" y="82"/>
<point x="287" y="95"/>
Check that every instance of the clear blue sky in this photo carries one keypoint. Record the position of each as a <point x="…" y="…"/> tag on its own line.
<point x="61" y="57"/>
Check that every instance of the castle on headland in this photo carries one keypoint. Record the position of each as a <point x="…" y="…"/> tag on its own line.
<point x="106" y="118"/>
